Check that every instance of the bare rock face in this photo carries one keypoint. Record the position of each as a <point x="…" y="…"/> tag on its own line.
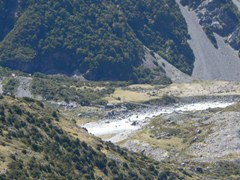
<point x="218" y="17"/>
<point x="222" y="142"/>
<point x="234" y="38"/>
<point x="145" y="148"/>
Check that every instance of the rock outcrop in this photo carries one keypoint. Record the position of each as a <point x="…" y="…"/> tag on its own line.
<point x="218" y="17"/>
<point x="211" y="63"/>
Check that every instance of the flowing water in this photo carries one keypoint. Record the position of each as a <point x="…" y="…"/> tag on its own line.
<point x="121" y="126"/>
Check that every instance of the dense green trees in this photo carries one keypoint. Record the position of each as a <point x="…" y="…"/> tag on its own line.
<point x="161" y="27"/>
<point x="101" y="39"/>
<point x="7" y="16"/>
<point x="68" y="89"/>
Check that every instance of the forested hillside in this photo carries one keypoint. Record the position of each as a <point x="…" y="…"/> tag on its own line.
<point x="100" y="39"/>
<point x="160" y="26"/>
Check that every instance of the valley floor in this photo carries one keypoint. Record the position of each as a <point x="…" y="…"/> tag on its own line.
<point x="193" y="124"/>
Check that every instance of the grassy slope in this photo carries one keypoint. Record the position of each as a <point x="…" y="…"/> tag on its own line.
<point x="37" y="142"/>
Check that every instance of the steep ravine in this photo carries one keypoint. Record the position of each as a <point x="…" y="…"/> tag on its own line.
<point x="210" y="63"/>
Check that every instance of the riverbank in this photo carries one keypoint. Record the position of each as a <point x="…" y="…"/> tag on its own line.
<point x="119" y="127"/>
<point x="207" y="137"/>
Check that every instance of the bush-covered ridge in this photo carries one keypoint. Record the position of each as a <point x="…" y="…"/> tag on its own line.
<point x="102" y="39"/>
<point x="38" y="148"/>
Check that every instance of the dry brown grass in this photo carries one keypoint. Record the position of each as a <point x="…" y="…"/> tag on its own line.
<point x="167" y="144"/>
<point x="121" y="95"/>
<point x="201" y="88"/>
<point x="146" y="92"/>
<point x="73" y="130"/>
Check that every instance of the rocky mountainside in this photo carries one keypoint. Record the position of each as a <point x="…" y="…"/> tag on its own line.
<point x="220" y="17"/>
<point x="214" y="30"/>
